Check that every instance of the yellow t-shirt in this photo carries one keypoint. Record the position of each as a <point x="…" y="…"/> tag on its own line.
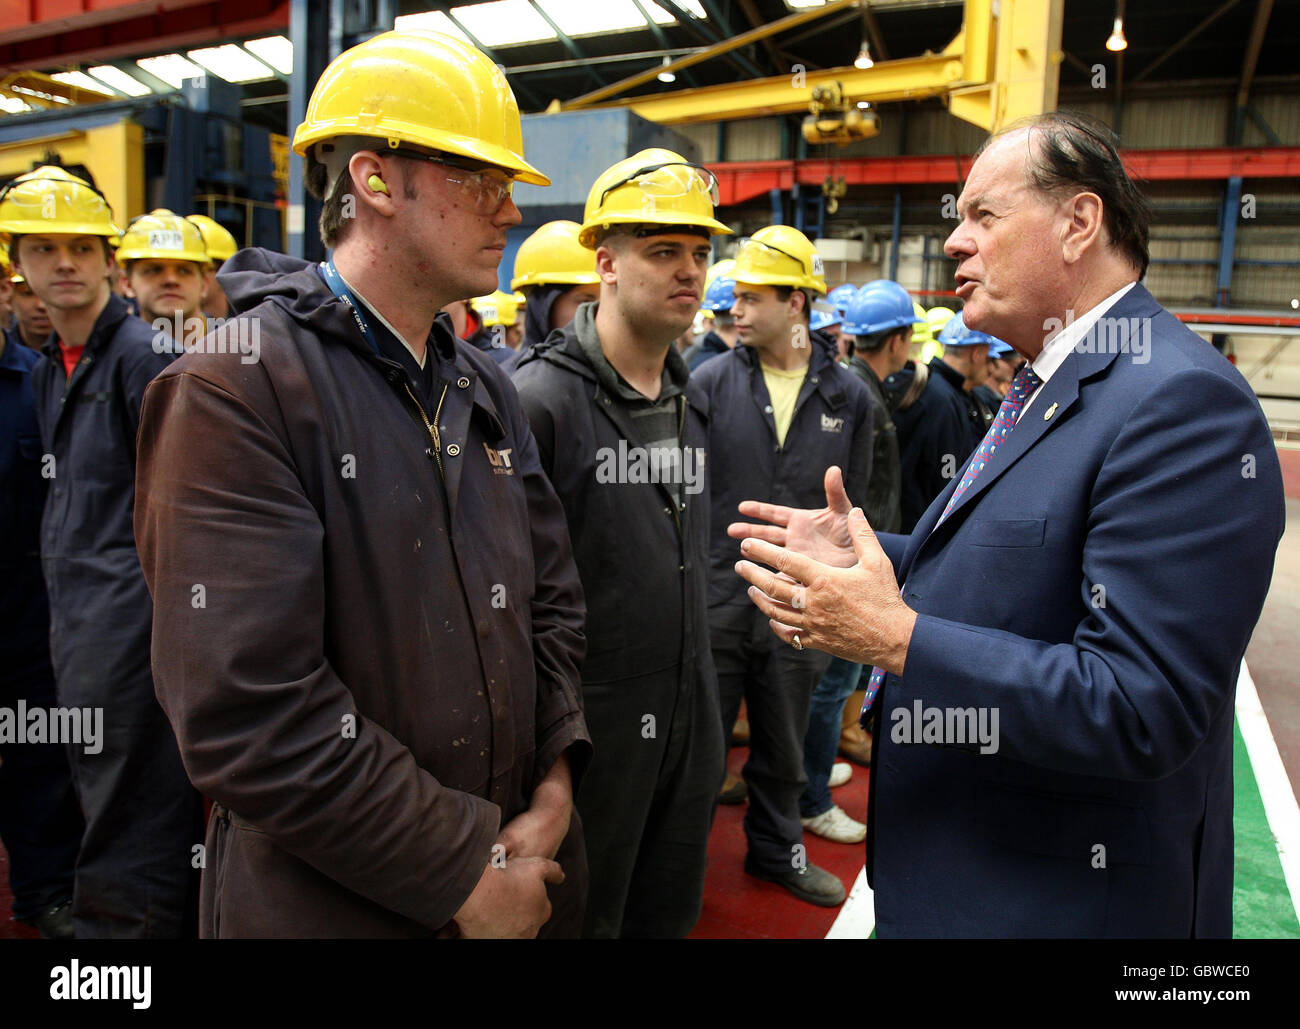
<point x="783" y="388"/>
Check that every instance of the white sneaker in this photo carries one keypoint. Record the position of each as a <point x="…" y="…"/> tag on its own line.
<point x="836" y="826"/>
<point x="841" y="772"/>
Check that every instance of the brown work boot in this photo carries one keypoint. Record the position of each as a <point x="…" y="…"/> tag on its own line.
<point x="855" y="742"/>
<point x="734" y="790"/>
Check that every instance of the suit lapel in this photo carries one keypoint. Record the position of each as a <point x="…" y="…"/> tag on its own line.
<point x="1051" y="405"/>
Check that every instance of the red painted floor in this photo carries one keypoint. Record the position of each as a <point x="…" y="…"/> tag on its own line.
<point x="9" y="929"/>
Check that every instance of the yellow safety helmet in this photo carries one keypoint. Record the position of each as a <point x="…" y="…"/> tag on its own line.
<point x="50" y="200"/>
<point x="780" y="256"/>
<point x="719" y="270"/>
<point x="653" y="187"/>
<point x="921" y="332"/>
<point x="217" y="240"/>
<point x="936" y="318"/>
<point x="161" y="235"/>
<point x="422" y="88"/>
<point x="498" y="308"/>
<point x="553" y="254"/>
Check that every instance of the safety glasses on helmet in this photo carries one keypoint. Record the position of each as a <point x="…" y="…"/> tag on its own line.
<point x="703" y="181"/>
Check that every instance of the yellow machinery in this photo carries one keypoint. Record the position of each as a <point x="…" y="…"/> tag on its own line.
<point x="114" y="152"/>
<point x="1000" y="67"/>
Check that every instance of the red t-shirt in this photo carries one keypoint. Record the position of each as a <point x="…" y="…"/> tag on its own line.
<point x="71" y="355"/>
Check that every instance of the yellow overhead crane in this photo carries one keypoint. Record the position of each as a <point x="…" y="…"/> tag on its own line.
<point x="1003" y="65"/>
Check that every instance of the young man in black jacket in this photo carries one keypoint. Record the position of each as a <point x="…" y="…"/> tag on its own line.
<point x="625" y="451"/>
<point x="134" y="875"/>
<point x="781" y="411"/>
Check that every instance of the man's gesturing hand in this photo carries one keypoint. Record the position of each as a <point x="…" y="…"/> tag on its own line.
<point x="822" y="534"/>
<point x="851" y="612"/>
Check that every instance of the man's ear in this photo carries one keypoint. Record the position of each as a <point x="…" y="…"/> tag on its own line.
<point x="797" y="306"/>
<point x="368" y="173"/>
<point x="607" y="264"/>
<point x="1084" y="226"/>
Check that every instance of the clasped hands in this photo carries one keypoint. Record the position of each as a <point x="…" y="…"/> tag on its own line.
<point x="827" y="579"/>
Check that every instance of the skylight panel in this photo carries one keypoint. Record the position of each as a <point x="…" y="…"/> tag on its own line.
<point x="663" y="17"/>
<point x="83" y="81"/>
<point x="582" y="18"/>
<point x="505" y="23"/>
<point x="119" y="80"/>
<point x="173" y="69"/>
<point x="276" y="51"/>
<point x="231" y="62"/>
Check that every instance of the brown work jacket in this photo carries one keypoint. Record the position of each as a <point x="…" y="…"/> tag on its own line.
<point x="369" y="646"/>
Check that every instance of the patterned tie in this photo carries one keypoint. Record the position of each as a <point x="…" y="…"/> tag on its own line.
<point x="1022" y="388"/>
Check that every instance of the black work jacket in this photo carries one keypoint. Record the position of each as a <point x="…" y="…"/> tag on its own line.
<point x="884" y="491"/>
<point x="642" y="556"/>
<point x="935" y="438"/>
<point x="100" y="613"/>
<point x="831" y="425"/>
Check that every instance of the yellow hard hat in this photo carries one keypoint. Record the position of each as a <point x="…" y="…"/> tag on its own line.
<point x="719" y="270"/>
<point x="921" y="332"/>
<point x="780" y="256"/>
<point x="936" y="318"/>
<point x="217" y="241"/>
<point x="553" y="254"/>
<point x="161" y="235"/>
<point x="423" y="88"/>
<point x="498" y="308"/>
<point x="653" y="187"/>
<point x="51" y="200"/>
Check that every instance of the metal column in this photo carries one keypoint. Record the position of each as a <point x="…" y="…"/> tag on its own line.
<point x="896" y="233"/>
<point x="1228" y="239"/>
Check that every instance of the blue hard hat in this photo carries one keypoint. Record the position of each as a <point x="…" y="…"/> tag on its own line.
<point x="878" y="306"/>
<point x="720" y="296"/>
<point x="955" y="334"/>
<point x="999" y="349"/>
<point x="824" y="316"/>
<point x="842" y="296"/>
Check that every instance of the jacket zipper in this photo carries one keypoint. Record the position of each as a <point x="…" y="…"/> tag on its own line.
<point x="431" y="426"/>
<point x="681" y="450"/>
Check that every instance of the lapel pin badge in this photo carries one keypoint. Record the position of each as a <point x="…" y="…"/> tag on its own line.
<point x="1049" y="412"/>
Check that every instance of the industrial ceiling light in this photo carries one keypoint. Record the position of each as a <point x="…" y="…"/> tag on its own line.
<point x="1117" y="42"/>
<point x="667" y="76"/>
<point x="863" y="61"/>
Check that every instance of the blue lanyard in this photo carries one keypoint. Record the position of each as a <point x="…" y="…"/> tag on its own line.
<point x="339" y="288"/>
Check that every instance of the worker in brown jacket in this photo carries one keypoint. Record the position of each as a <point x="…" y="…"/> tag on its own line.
<point x="368" y="625"/>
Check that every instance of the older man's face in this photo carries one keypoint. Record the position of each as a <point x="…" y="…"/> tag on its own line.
<point x="1008" y="248"/>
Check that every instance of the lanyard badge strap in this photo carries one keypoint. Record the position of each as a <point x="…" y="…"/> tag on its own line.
<point x="339" y="288"/>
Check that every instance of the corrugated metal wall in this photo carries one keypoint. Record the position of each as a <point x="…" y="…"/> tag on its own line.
<point x="1187" y="222"/>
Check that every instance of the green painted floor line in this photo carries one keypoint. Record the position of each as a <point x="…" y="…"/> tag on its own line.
<point x="1261" y="904"/>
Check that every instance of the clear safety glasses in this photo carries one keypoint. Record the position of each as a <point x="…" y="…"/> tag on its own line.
<point x="485" y="188"/>
<point x="754" y="253"/>
<point x="698" y="180"/>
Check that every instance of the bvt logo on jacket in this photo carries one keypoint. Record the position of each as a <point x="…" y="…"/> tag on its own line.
<point x="830" y="424"/>
<point x="500" y="460"/>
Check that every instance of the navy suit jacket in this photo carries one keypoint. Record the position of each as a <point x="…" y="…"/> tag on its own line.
<point x="1096" y="588"/>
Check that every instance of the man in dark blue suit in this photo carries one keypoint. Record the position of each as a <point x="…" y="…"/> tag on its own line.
<point x="1059" y="638"/>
